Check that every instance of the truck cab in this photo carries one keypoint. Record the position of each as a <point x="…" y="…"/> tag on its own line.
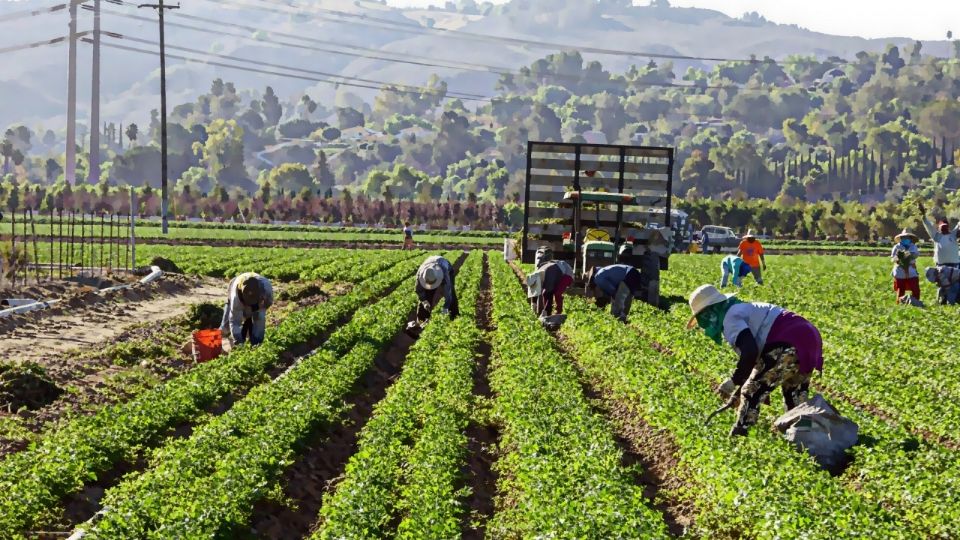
<point x="716" y="239"/>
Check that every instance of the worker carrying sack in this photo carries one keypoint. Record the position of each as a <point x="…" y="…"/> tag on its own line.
<point x="817" y="428"/>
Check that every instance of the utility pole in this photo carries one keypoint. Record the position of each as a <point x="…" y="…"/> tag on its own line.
<point x="163" y="115"/>
<point x="93" y="175"/>
<point x="70" y="167"/>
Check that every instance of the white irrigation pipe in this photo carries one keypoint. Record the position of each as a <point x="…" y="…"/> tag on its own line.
<point x="154" y="274"/>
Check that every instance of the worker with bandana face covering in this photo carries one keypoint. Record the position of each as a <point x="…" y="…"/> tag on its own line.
<point x="904" y="256"/>
<point x="776" y="348"/>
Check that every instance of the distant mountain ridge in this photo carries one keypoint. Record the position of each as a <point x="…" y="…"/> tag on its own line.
<point x="33" y="82"/>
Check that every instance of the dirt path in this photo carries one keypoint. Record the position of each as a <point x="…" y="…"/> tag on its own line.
<point x="47" y="338"/>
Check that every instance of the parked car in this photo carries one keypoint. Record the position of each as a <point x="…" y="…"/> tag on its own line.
<point x="716" y="239"/>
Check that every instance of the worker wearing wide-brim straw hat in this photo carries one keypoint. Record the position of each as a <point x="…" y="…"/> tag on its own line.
<point x="904" y="256"/>
<point x="776" y="348"/>
<point x="751" y="251"/>
<point x="435" y="280"/>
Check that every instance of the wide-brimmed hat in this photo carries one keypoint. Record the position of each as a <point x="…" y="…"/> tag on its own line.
<point x="702" y="298"/>
<point x="251" y="291"/>
<point x="908" y="234"/>
<point x="431" y="277"/>
<point x="750" y="234"/>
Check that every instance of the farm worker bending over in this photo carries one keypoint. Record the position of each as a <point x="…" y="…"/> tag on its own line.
<point x="943" y="276"/>
<point x="731" y="265"/>
<point x="946" y="253"/>
<point x="435" y="280"/>
<point x="245" y="315"/>
<point x="904" y="256"/>
<point x="751" y="251"/>
<point x="619" y="282"/>
<point x="556" y="277"/>
<point x="776" y="347"/>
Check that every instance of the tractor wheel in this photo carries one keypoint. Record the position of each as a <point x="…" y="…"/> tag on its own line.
<point x="650" y="278"/>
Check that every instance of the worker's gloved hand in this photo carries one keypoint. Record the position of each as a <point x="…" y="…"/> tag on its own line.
<point x="445" y="311"/>
<point x="727" y="388"/>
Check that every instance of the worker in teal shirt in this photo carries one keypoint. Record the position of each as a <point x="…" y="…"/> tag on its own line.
<point x="731" y="265"/>
<point x="620" y="283"/>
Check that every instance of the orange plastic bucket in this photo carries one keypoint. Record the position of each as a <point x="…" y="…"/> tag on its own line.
<point x="207" y="345"/>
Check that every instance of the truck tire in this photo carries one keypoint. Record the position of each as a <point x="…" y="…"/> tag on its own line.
<point x="649" y="267"/>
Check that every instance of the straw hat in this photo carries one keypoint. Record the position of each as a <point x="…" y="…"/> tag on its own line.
<point x="908" y="234"/>
<point x="702" y="298"/>
<point x="431" y="276"/>
<point x="750" y="234"/>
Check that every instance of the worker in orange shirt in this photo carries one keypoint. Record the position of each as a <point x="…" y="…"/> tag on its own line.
<point x="751" y="251"/>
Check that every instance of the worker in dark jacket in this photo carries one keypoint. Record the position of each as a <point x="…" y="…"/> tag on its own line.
<point x="435" y="280"/>
<point x="617" y="283"/>
<point x="776" y="348"/>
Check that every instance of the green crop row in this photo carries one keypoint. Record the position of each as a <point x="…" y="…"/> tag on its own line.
<point x="411" y="450"/>
<point x="34" y="481"/>
<point x="753" y="487"/>
<point x="206" y="485"/>
<point x="893" y="467"/>
<point x="560" y="474"/>
<point x="288" y="234"/>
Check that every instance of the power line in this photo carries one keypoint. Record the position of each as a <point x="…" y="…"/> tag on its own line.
<point x="32" y="12"/>
<point x="367" y="20"/>
<point x="34" y="45"/>
<point x="372" y="54"/>
<point x="414" y="89"/>
<point x="267" y="72"/>
<point x="378" y="22"/>
<point x="448" y="65"/>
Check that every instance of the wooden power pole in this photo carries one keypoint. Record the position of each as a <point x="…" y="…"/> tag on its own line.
<point x="164" y="192"/>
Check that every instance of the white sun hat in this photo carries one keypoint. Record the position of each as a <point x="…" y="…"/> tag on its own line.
<point x="431" y="276"/>
<point x="702" y="298"/>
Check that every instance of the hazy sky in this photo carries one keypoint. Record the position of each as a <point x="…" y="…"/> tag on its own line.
<point x="918" y="19"/>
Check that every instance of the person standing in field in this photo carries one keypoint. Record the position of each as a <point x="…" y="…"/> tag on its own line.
<point x="249" y="296"/>
<point x="776" y="348"/>
<point x="904" y="256"/>
<point x="946" y="253"/>
<point x="407" y="236"/>
<point x="751" y="251"/>
<point x="734" y="266"/>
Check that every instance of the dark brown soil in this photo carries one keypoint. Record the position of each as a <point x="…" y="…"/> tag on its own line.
<point x="654" y="450"/>
<point x="482" y="439"/>
<point x="321" y="462"/>
<point x="323" y="459"/>
<point x="27" y="386"/>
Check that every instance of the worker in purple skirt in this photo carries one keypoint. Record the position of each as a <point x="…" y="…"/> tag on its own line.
<point x="776" y="348"/>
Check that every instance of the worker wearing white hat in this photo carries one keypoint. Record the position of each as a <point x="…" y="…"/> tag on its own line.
<point x="435" y="280"/>
<point x="776" y="348"/>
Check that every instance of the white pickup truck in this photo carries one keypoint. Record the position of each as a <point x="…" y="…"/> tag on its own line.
<point x="716" y="239"/>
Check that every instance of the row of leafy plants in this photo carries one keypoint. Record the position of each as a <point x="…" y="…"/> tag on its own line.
<point x="34" y="481"/>
<point x="293" y="235"/>
<point x="895" y="466"/>
<point x="559" y="473"/>
<point x="207" y="485"/>
<point x="410" y="452"/>
<point x="755" y="486"/>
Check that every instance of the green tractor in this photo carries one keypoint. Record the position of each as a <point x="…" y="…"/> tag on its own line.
<point x="594" y="205"/>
